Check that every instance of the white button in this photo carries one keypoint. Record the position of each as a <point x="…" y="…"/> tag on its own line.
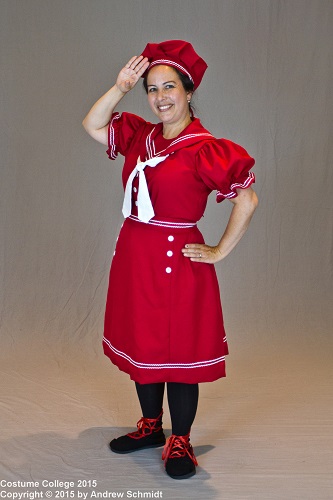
<point x="136" y="203"/>
<point x="169" y="253"/>
<point x="168" y="270"/>
<point x="134" y="189"/>
<point x="171" y="238"/>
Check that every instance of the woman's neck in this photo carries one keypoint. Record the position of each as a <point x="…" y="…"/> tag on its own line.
<point x="170" y="131"/>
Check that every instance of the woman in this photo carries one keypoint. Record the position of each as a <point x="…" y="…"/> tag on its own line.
<point x="163" y="320"/>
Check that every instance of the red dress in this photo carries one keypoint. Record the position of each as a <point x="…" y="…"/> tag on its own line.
<point x="163" y="319"/>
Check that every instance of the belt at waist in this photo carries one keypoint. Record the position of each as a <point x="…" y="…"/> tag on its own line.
<point x="161" y="223"/>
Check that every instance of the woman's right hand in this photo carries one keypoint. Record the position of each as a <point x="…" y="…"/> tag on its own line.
<point x="97" y="120"/>
<point x="131" y="73"/>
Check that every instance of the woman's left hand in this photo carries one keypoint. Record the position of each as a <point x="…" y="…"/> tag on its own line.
<point x="198" y="252"/>
<point x="244" y="206"/>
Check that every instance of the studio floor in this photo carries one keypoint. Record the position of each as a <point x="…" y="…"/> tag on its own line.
<point x="264" y="432"/>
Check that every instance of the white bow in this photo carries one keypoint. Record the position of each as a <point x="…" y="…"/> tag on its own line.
<point x="145" y="207"/>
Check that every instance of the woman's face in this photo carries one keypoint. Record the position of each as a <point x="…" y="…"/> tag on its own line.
<point x="167" y="97"/>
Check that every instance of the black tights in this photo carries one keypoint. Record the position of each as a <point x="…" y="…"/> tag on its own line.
<point x="182" y="399"/>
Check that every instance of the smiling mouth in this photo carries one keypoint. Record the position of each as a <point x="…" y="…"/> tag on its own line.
<point x="165" y="107"/>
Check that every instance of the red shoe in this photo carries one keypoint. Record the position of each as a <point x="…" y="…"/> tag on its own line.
<point x="149" y="435"/>
<point x="179" y="457"/>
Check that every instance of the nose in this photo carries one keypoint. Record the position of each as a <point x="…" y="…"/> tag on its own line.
<point x="161" y="93"/>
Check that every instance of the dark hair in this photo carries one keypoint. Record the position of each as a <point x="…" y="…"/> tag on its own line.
<point x="187" y="83"/>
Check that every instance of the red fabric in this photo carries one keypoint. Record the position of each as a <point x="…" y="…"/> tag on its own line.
<point x="163" y="319"/>
<point x="123" y="132"/>
<point x="201" y="167"/>
<point x="178" y="54"/>
<point x="224" y="166"/>
<point x="160" y="326"/>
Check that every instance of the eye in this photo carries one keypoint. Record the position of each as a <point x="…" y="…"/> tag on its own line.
<point x="152" y="89"/>
<point x="169" y="86"/>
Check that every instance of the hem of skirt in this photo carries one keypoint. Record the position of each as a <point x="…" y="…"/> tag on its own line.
<point x="185" y="375"/>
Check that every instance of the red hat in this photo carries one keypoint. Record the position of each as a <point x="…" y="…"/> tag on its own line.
<point x="178" y="54"/>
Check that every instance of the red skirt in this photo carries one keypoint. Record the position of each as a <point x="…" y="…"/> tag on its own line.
<point x="163" y="318"/>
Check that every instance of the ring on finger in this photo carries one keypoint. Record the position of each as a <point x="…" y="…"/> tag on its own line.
<point x="200" y="255"/>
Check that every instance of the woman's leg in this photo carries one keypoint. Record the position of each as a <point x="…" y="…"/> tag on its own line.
<point x="183" y="403"/>
<point x="179" y="458"/>
<point x="149" y="433"/>
<point x="151" y="399"/>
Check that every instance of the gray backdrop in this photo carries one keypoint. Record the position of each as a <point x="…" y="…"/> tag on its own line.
<point x="268" y="87"/>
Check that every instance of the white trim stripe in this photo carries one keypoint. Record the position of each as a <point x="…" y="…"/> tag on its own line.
<point x="159" y="366"/>
<point x="150" y="144"/>
<point x="162" y="223"/>
<point x="171" y="63"/>
<point x="181" y="139"/>
<point x="236" y="185"/>
<point x="112" y="145"/>
<point x="246" y="182"/>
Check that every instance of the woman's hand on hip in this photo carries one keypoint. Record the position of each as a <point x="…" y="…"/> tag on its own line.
<point x="198" y="252"/>
<point x="131" y="73"/>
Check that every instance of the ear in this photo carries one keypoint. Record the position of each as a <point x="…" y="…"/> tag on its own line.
<point x="189" y="96"/>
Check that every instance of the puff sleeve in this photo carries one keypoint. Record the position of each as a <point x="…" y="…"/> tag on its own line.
<point x="121" y="131"/>
<point x="224" y="166"/>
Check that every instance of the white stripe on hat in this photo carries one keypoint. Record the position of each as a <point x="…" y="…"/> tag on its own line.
<point x="171" y="63"/>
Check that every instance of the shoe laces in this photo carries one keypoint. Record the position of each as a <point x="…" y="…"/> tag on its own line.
<point x="147" y="426"/>
<point x="178" y="447"/>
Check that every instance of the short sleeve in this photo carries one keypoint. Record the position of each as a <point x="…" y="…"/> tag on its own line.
<point x="225" y="166"/>
<point x="121" y="131"/>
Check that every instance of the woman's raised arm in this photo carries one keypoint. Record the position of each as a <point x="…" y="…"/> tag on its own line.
<point x="97" y="120"/>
